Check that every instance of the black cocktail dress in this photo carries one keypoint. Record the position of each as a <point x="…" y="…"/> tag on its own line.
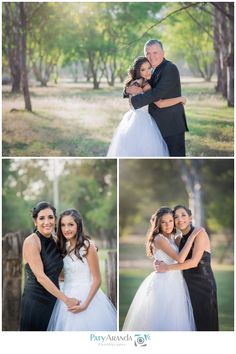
<point x="202" y="289"/>
<point x="37" y="303"/>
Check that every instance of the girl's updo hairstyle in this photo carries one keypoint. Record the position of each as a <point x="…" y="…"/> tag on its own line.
<point x="40" y="206"/>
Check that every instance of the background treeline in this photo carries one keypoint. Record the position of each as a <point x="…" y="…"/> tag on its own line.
<point x="98" y="41"/>
<point x="88" y="185"/>
<point x="206" y="186"/>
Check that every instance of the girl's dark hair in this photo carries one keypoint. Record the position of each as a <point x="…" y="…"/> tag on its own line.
<point x="188" y="211"/>
<point x="134" y="70"/>
<point x="82" y="240"/>
<point x="155" y="229"/>
<point x="41" y="206"/>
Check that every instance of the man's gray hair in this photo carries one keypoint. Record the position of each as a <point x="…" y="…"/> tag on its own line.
<point x="151" y="42"/>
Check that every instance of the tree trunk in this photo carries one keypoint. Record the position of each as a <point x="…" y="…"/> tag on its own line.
<point x="224" y="49"/>
<point x="111" y="276"/>
<point x="191" y="176"/>
<point x="230" y="61"/>
<point x="43" y="70"/>
<point x="25" y="85"/>
<point x="13" y="44"/>
<point x="16" y="80"/>
<point x="11" y="295"/>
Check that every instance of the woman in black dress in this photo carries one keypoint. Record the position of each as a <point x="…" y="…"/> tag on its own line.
<point x="197" y="272"/>
<point x="43" y="266"/>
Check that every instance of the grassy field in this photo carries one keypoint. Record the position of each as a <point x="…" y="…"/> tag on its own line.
<point x="130" y="279"/>
<point x="134" y="267"/>
<point x="75" y="120"/>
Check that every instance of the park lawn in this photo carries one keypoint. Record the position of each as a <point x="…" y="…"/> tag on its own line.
<point x="75" y="120"/>
<point x="66" y="121"/>
<point x="130" y="279"/>
<point x="210" y="122"/>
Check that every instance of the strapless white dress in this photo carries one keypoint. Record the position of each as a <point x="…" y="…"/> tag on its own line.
<point x="162" y="302"/>
<point x="100" y="314"/>
<point x="138" y="135"/>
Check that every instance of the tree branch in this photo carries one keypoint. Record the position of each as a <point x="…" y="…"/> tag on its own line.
<point x="187" y="6"/>
<point x="199" y="24"/>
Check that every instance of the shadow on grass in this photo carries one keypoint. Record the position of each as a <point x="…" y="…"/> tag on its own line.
<point x="80" y="147"/>
<point x="53" y="132"/>
<point x="69" y="91"/>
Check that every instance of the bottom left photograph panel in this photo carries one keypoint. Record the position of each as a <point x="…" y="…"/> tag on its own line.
<point x="59" y="244"/>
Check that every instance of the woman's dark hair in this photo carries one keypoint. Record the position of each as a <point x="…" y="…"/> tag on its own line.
<point x="82" y="240"/>
<point x="41" y="206"/>
<point x="188" y="211"/>
<point x="134" y="70"/>
<point x="155" y="229"/>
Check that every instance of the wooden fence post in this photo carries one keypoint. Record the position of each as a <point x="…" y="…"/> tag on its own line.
<point x="11" y="280"/>
<point x="111" y="276"/>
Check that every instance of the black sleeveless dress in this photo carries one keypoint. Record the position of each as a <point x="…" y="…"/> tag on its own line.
<point x="202" y="289"/>
<point x="37" y="303"/>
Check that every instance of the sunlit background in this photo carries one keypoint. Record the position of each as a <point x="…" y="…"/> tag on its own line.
<point x="207" y="188"/>
<point x="76" y="58"/>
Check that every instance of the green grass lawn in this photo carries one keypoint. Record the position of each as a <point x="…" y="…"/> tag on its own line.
<point x="130" y="279"/>
<point x="75" y="120"/>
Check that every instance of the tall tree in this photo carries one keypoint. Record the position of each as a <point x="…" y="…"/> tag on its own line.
<point x="192" y="177"/>
<point x="224" y="48"/>
<point x="24" y="70"/>
<point x="11" y="43"/>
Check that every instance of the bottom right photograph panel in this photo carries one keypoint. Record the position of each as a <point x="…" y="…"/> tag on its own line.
<point x="176" y="245"/>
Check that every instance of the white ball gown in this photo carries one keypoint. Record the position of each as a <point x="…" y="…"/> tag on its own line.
<point x="100" y="314"/>
<point x="137" y="135"/>
<point x="162" y="302"/>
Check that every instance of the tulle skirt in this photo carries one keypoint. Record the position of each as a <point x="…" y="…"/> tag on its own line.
<point x="99" y="316"/>
<point x="137" y="135"/>
<point x="161" y="303"/>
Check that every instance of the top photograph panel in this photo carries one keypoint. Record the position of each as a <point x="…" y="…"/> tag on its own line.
<point x="118" y="79"/>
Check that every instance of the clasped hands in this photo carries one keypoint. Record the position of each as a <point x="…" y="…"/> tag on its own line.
<point x="75" y="305"/>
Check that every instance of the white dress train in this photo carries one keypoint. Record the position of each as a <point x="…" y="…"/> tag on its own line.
<point x="162" y="302"/>
<point x="137" y="135"/>
<point x="100" y="314"/>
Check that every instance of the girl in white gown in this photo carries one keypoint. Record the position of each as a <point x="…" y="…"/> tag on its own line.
<point x="162" y="302"/>
<point x="138" y="133"/>
<point x="82" y="279"/>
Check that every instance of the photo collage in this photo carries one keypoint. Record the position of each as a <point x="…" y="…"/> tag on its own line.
<point x="117" y="175"/>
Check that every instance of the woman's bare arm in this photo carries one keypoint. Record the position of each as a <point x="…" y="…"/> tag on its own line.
<point x="31" y="255"/>
<point x="163" y="244"/>
<point x="201" y="244"/>
<point x="93" y="263"/>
